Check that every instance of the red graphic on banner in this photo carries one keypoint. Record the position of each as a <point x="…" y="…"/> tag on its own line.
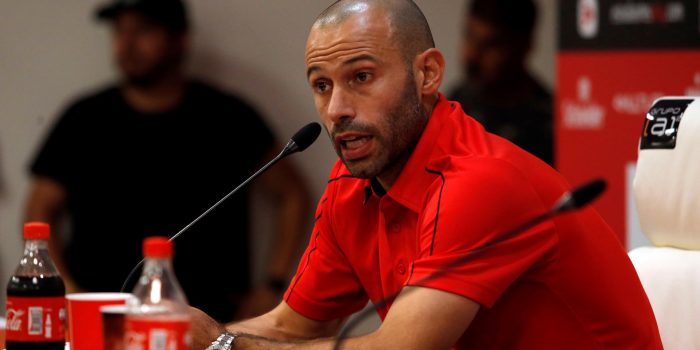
<point x="35" y="319"/>
<point x="602" y="101"/>
<point x="143" y="333"/>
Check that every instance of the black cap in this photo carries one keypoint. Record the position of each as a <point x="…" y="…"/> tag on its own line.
<point x="170" y="13"/>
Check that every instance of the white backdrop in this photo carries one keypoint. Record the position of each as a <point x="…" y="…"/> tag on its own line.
<point x="51" y="51"/>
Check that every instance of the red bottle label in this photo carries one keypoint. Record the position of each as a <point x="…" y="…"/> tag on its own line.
<point x="144" y="333"/>
<point x="38" y="319"/>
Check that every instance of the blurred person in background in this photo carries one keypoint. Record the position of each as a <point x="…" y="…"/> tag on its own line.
<point x="146" y="156"/>
<point x="497" y="89"/>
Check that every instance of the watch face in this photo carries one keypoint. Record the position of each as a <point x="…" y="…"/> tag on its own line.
<point x="223" y="342"/>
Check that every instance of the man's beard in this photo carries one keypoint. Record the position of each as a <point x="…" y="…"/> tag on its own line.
<point x="402" y="127"/>
<point x="145" y="80"/>
<point x="151" y="75"/>
<point x="141" y="80"/>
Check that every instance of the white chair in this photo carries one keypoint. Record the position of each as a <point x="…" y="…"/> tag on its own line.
<point x="667" y="195"/>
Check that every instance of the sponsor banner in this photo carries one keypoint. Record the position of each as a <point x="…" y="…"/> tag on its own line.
<point x="629" y="24"/>
<point x="601" y="111"/>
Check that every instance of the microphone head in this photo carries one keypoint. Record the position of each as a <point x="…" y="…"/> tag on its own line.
<point x="581" y="196"/>
<point x="586" y="193"/>
<point x="304" y="137"/>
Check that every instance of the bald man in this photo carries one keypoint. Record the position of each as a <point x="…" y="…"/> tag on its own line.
<point x="418" y="204"/>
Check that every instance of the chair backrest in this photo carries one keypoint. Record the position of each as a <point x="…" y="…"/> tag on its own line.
<point x="667" y="181"/>
<point x="667" y="195"/>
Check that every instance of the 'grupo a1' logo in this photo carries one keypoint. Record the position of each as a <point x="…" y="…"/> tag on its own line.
<point x="662" y="123"/>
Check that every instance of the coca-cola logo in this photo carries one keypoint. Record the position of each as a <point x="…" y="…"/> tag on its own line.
<point x="135" y="341"/>
<point x="14" y="320"/>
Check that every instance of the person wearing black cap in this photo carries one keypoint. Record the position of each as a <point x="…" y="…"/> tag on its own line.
<point x="147" y="155"/>
<point x="498" y="90"/>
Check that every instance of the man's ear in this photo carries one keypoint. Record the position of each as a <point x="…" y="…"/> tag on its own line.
<point x="430" y="66"/>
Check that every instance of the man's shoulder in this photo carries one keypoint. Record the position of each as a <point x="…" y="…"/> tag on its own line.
<point x="480" y="165"/>
<point x="92" y="103"/>
<point x="96" y="97"/>
<point x="495" y="178"/>
<point x="101" y="98"/>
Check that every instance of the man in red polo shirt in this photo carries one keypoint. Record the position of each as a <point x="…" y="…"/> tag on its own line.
<point x="420" y="184"/>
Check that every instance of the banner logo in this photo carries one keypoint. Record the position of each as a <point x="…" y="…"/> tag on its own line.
<point x="662" y="123"/>
<point x="583" y="113"/>
<point x="588" y="18"/>
<point x="694" y="90"/>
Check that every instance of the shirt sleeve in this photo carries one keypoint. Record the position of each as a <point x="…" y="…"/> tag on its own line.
<point x="57" y="155"/>
<point x="464" y="248"/>
<point x="325" y="286"/>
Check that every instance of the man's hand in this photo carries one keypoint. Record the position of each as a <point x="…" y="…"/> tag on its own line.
<point x="282" y="323"/>
<point x="71" y="286"/>
<point x="420" y="318"/>
<point x="204" y="329"/>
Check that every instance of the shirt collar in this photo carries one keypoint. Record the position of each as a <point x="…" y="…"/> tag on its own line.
<point x="412" y="183"/>
<point x="374" y="187"/>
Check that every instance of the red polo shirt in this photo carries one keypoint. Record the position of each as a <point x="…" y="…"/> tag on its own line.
<point x="565" y="284"/>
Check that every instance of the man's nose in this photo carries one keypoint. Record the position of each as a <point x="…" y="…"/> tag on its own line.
<point x="340" y="107"/>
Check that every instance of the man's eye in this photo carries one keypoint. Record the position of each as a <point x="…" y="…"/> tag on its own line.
<point x="321" y="86"/>
<point x="363" y="77"/>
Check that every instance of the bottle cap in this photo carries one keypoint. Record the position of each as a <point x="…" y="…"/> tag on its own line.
<point x="157" y="247"/>
<point x="36" y="230"/>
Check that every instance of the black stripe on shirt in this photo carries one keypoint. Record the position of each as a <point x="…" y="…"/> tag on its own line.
<point x="308" y="259"/>
<point x="437" y="212"/>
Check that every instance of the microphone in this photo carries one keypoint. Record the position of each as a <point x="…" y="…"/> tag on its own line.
<point x="302" y="139"/>
<point x="298" y="143"/>
<point x="581" y="196"/>
<point x="569" y="201"/>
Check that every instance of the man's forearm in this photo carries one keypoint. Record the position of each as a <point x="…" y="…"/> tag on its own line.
<point x="291" y="227"/>
<point x="263" y="327"/>
<point x="272" y="326"/>
<point x="46" y="203"/>
<point x="56" y="251"/>
<point x="284" y="187"/>
<point x="280" y="325"/>
<point x="253" y="342"/>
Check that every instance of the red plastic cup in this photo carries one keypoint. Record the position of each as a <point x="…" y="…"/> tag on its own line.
<point x="85" y="319"/>
<point x="113" y="326"/>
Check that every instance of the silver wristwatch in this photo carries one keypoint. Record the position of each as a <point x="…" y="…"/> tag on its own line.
<point x="223" y="342"/>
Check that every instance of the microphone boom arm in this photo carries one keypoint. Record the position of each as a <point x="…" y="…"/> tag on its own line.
<point x="298" y="143"/>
